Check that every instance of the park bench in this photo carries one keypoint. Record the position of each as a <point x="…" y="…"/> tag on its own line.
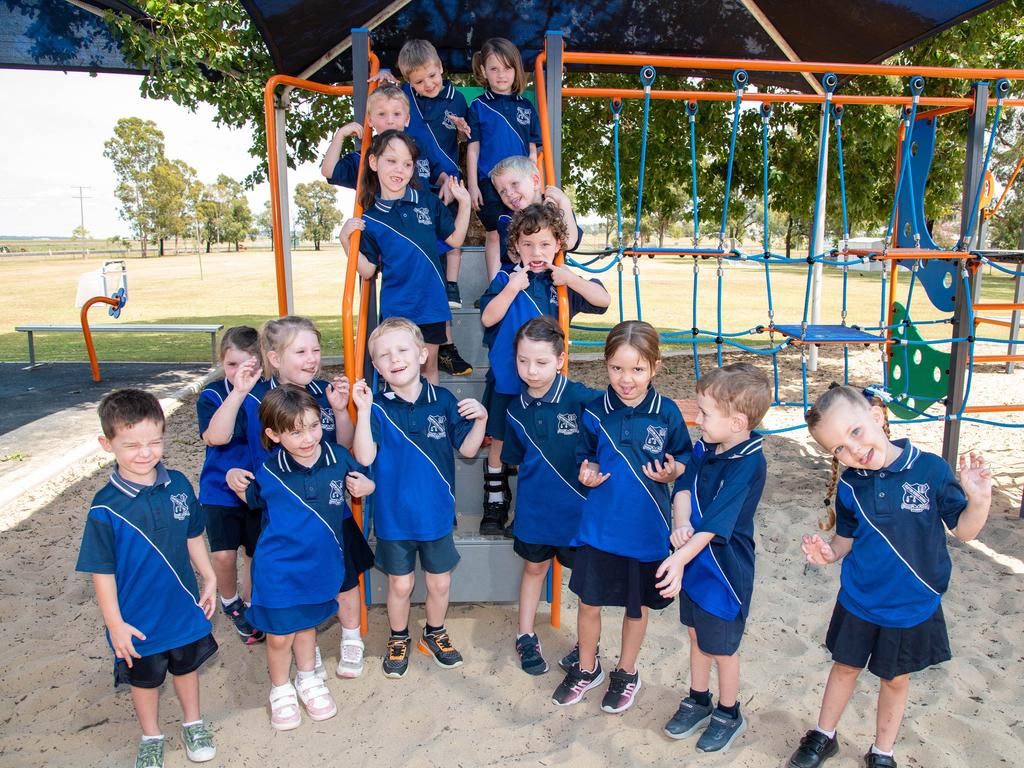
<point x="122" y="328"/>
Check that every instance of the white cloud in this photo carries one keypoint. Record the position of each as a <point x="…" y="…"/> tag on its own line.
<point x="52" y="138"/>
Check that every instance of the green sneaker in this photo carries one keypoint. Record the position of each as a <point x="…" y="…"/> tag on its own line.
<point x="198" y="742"/>
<point x="151" y="753"/>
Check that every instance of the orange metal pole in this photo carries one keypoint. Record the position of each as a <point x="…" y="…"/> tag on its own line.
<point x="93" y="363"/>
<point x="895" y="254"/>
<point x="993" y="408"/>
<point x="999" y="358"/>
<point x="998" y="306"/>
<point x="1013" y="177"/>
<point x="992" y="321"/>
<point x="563" y="296"/>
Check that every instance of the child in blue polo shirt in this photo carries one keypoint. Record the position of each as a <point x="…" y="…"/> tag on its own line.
<point x="502" y="122"/>
<point x="543" y="429"/>
<point x="401" y="226"/>
<point x="299" y="568"/>
<point x="229" y="523"/>
<point x="143" y="538"/>
<point x="517" y="182"/>
<point x="712" y="569"/>
<point x="893" y="506"/>
<point x="633" y="442"/>
<point x="291" y="355"/>
<point x="408" y="432"/>
<point x="519" y="292"/>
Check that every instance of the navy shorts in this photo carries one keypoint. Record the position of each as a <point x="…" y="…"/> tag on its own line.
<point x="492" y="206"/>
<point x="358" y="555"/>
<point x="229" y="528"/>
<point x="434" y="333"/>
<point x="887" y="652"/>
<point x="398" y="557"/>
<point x="601" y="578"/>
<point x="151" y="671"/>
<point x="497" y="407"/>
<point x="538" y="553"/>
<point x="715" y="636"/>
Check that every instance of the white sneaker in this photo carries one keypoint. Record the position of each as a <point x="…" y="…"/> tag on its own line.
<point x="350" y="661"/>
<point x="316" y="698"/>
<point x="319" y="669"/>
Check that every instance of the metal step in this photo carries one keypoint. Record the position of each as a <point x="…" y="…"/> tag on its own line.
<point x="468" y="335"/>
<point x="473" y="279"/>
<point x="466" y="386"/>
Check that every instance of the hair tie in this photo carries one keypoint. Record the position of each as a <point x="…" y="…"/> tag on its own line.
<point x="879" y="391"/>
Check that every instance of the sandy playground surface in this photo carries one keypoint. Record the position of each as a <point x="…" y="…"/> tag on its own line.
<point x="57" y="704"/>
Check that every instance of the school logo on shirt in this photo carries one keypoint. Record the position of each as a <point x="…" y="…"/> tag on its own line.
<point x="568" y="424"/>
<point x="423" y="216"/>
<point x="337" y="493"/>
<point x="553" y="295"/>
<point x="436" y="427"/>
<point x="326" y="418"/>
<point x="179" y="506"/>
<point x="448" y="122"/>
<point x="915" y="497"/>
<point x="655" y="442"/>
<point x="523" y="115"/>
<point x="423" y="168"/>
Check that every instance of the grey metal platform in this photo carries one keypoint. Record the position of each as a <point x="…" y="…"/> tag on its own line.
<point x="489" y="570"/>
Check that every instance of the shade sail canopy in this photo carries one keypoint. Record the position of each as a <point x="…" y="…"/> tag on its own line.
<point x="309" y="37"/>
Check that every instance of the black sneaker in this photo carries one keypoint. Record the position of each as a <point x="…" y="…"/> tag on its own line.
<point x="688" y="719"/>
<point x="576" y="683"/>
<point x="721" y="732"/>
<point x="246" y="631"/>
<point x="872" y="760"/>
<point x="454" y="298"/>
<point x="815" y="748"/>
<point x="622" y="690"/>
<point x="450" y="361"/>
<point x="396" y="660"/>
<point x="439" y="646"/>
<point x="494" y="519"/>
<point x="530" y="658"/>
<point x="572" y="658"/>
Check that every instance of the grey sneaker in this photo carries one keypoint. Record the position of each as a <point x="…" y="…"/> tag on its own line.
<point x="688" y="719"/>
<point x="151" y="754"/>
<point x="721" y="732"/>
<point x="396" y="660"/>
<point x="438" y="646"/>
<point x="198" y="742"/>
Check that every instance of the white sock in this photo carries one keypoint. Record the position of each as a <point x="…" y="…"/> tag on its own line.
<point x="226" y="601"/>
<point x="524" y="634"/>
<point x="194" y="722"/>
<point x="300" y="675"/>
<point x="152" y="738"/>
<point x="350" y="634"/>
<point x="831" y="734"/>
<point x="278" y="688"/>
<point x="876" y="751"/>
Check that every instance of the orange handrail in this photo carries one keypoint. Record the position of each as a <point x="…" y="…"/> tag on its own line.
<point x="1003" y="306"/>
<point x="993" y="408"/>
<point x="93" y="363"/>
<point x="547" y="157"/>
<point x="949" y="103"/>
<point x="999" y="204"/>
<point x="273" y="172"/>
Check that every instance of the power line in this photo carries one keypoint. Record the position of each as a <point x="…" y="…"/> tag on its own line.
<point x="81" y="206"/>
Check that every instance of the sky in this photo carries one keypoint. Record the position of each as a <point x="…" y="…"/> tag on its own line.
<point x="51" y="142"/>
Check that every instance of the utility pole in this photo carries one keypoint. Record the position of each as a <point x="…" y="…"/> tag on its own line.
<point x="81" y="213"/>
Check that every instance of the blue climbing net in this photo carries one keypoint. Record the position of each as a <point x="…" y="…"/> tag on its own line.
<point x="906" y="201"/>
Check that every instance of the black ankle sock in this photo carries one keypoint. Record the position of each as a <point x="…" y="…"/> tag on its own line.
<point x="429" y="630"/>
<point x="403" y="633"/>
<point x="703" y="698"/>
<point x="733" y="711"/>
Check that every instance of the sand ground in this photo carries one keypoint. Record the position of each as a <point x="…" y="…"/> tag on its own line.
<point x="58" y="706"/>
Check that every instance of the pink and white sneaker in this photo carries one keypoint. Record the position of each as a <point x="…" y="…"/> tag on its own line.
<point x="284" y="708"/>
<point x="316" y="698"/>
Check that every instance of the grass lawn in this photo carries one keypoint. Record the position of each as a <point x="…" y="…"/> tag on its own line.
<point x="239" y="288"/>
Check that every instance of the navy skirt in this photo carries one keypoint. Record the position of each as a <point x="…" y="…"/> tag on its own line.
<point x="601" y="578"/>
<point x="284" y="621"/>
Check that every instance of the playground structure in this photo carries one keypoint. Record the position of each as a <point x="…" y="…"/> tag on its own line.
<point x="916" y="375"/>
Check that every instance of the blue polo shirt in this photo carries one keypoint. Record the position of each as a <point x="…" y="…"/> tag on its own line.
<point x="725" y="489"/>
<point x="630" y="514"/>
<point x="140" y="534"/>
<point x="540" y="298"/>
<point x="401" y="238"/>
<point x="213" y="488"/>
<point x="505" y="125"/>
<point x="505" y="219"/>
<point x="541" y="439"/>
<point x="299" y="557"/>
<point x="431" y="125"/>
<point x="898" y="567"/>
<point x="346" y="171"/>
<point x="254" y="430"/>
<point x="415" y="466"/>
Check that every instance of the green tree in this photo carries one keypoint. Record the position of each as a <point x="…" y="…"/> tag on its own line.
<point x="135" y="149"/>
<point x="224" y="214"/>
<point x="165" y="200"/>
<point x="80" y="233"/>
<point x="316" y="211"/>
<point x="265" y="221"/>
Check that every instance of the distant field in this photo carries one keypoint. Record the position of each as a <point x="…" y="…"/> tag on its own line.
<point x="240" y="288"/>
